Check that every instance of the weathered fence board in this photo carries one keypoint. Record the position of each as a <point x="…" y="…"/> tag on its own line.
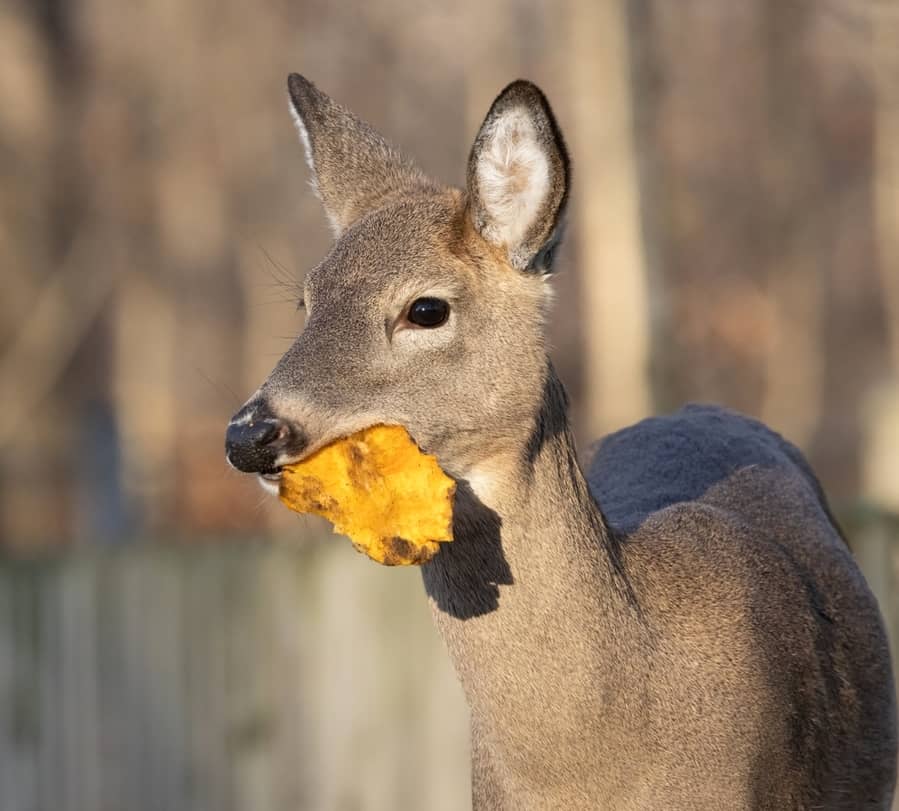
<point x="249" y="677"/>
<point x="240" y="678"/>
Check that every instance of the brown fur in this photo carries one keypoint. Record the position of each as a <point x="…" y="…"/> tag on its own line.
<point x="687" y="630"/>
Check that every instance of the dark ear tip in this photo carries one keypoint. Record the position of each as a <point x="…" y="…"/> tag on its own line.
<point x="522" y="91"/>
<point x="523" y="86"/>
<point x="301" y="90"/>
<point x="296" y="81"/>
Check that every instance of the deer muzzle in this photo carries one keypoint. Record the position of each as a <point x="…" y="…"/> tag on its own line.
<point x="257" y="441"/>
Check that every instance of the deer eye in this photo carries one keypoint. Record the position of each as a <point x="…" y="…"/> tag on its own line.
<point x="428" y="312"/>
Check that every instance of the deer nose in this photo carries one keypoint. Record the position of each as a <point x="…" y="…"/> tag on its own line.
<point x="253" y="442"/>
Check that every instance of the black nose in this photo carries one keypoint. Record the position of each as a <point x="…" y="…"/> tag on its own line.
<point x="255" y="440"/>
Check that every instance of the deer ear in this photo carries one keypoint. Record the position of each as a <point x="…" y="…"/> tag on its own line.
<point x="354" y="169"/>
<point x="518" y="177"/>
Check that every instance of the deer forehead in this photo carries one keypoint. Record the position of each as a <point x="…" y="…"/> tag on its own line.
<point x="416" y="247"/>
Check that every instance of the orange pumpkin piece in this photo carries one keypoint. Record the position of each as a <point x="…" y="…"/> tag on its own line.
<point x="376" y="486"/>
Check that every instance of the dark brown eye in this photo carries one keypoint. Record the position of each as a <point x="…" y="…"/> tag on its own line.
<point x="428" y="312"/>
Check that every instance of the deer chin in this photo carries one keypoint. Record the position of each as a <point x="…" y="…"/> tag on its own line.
<point x="270" y="482"/>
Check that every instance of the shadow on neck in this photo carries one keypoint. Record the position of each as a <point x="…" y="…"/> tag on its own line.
<point x="553" y="499"/>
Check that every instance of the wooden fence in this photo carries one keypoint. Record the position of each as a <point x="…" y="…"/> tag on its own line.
<point x="223" y="678"/>
<point x="244" y="678"/>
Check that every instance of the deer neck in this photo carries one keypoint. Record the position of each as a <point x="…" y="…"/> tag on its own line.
<point x="532" y="582"/>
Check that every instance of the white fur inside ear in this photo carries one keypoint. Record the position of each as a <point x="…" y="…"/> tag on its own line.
<point x="513" y="174"/>
<point x="304" y="137"/>
<point x="307" y="148"/>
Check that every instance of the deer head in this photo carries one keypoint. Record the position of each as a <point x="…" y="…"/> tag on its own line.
<point x="429" y="310"/>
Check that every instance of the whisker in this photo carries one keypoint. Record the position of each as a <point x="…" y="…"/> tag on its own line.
<point x="222" y="388"/>
<point x="281" y="276"/>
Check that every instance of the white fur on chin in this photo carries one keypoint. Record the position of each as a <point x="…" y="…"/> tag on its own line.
<point x="268" y="485"/>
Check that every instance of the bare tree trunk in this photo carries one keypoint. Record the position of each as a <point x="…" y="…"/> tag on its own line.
<point x="880" y="478"/>
<point x="885" y="26"/>
<point x="793" y="170"/>
<point x="607" y="220"/>
<point x="699" y="179"/>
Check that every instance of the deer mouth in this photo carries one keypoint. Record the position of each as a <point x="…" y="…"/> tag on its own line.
<point x="270" y="478"/>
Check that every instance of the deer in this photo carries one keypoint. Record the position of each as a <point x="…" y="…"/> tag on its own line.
<point x="679" y="624"/>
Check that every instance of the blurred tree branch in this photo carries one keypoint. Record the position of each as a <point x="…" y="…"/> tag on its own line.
<point x="63" y="311"/>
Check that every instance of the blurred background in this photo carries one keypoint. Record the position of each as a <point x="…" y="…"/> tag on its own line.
<point x="170" y="638"/>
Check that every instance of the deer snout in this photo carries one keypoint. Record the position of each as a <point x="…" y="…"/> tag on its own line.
<point x="259" y="442"/>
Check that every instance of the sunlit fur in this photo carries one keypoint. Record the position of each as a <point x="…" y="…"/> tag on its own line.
<point x="683" y="629"/>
